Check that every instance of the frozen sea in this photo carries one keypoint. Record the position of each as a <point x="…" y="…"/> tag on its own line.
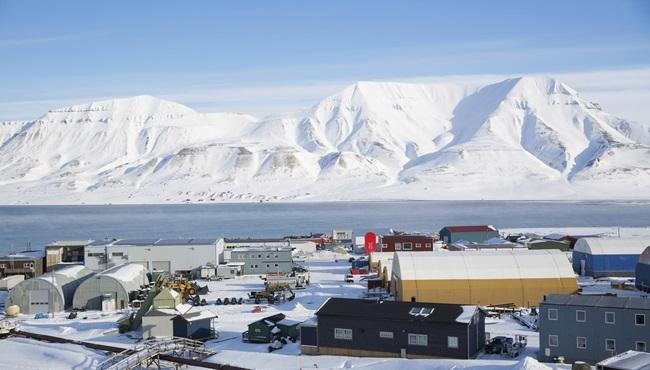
<point x="38" y="225"/>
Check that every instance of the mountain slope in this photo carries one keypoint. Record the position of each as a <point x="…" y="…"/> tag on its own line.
<point x="522" y="138"/>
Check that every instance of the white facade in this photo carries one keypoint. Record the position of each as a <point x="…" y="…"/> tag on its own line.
<point x="303" y="247"/>
<point x="341" y="235"/>
<point x="230" y="244"/>
<point x="171" y="255"/>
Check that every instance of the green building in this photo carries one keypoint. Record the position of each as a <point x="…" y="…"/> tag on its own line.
<point x="167" y="298"/>
<point x="475" y="233"/>
<point x="548" y="244"/>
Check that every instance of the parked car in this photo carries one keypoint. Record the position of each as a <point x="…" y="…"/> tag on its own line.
<point x="498" y="345"/>
<point x="349" y="278"/>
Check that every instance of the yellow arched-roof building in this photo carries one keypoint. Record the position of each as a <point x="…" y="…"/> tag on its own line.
<point x="485" y="278"/>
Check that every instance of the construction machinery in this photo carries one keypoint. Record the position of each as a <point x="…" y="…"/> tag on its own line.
<point x="134" y="319"/>
<point x="189" y="290"/>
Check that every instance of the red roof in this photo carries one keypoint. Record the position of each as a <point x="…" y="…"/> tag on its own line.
<point x="470" y="229"/>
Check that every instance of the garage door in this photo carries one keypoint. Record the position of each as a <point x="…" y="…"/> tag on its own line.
<point x="161" y="266"/>
<point x="39" y="301"/>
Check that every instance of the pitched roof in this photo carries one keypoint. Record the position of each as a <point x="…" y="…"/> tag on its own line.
<point x="470" y="228"/>
<point x="598" y="301"/>
<point x="629" y="360"/>
<point x="390" y="310"/>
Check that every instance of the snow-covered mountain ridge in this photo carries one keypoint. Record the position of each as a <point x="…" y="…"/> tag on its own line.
<point x="522" y="138"/>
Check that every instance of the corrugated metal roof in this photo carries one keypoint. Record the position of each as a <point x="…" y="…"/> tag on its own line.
<point x="628" y="360"/>
<point x="599" y="301"/>
<point x="136" y="242"/>
<point x="470" y="228"/>
<point x="609" y="246"/>
<point x="497" y="264"/>
<point x="249" y="240"/>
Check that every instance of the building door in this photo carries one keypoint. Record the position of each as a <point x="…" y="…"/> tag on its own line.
<point x="39" y="301"/>
<point x="161" y="266"/>
<point x="108" y="302"/>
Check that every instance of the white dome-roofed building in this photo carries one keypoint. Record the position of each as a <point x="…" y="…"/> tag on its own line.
<point x="52" y="292"/>
<point x="111" y="289"/>
<point x="519" y="277"/>
<point x="600" y="257"/>
<point x="642" y="272"/>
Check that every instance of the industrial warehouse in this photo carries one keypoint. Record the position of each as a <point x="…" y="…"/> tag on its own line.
<point x="52" y="292"/>
<point x="600" y="257"/>
<point x="521" y="278"/>
<point x="111" y="289"/>
<point x="426" y="301"/>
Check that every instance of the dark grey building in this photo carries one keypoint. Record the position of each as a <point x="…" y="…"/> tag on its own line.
<point x="194" y="325"/>
<point x="357" y="327"/>
<point x="592" y="328"/>
<point x="262" y="261"/>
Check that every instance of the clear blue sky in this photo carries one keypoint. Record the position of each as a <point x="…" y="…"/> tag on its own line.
<point x="269" y="53"/>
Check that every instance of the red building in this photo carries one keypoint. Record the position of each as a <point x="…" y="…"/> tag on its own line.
<point x="407" y="242"/>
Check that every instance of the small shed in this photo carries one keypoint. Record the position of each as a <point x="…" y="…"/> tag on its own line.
<point x="167" y="298"/>
<point x="642" y="271"/>
<point x="194" y="325"/>
<point x="288" y="328"/>
<point x="549" y="244"/>
<point x="229" y="270"/>
<point x="600" y="257"/>
<point x="264" y="330"/>
<point x="50" y="292"/>
<point x="473" y="233"/>
<point x="158" y="323"/>
<point x="112" y="289"/>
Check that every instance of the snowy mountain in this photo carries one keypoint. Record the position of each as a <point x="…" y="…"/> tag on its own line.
<point x="523" y="138"/>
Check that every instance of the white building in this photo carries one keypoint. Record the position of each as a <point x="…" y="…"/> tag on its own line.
<point x="171" y="255"/>
<point x="236" y="243"/>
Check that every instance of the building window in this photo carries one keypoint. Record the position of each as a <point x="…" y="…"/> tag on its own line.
<point x="581" y="342"/>
<point x="552" y="313"/>
<point x="408" y="246"/>
<point x="581" y="316"/>
<point x="609" y="318"/>
<point x="418" y="245"/>
<point x="553" y="341"/>
<point x="398" y="246"/>
<point x="428" y="245"/>
<point x="639" y="319"/>
<point x="268" y="266"/>
<point x="386" y="334"/>
<point x="345" y="334"/>
<point x="610" y="345"/>
<point x="117" y="254"/>
<point x="640" y="346"/>
<point x="276" y="265"/>
<point x="384" y="246"/>
<point x="452" y="342"/>
<point x="417" y="339"/>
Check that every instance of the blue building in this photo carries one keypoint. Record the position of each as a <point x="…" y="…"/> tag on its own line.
<point x="475" y="233"/>
<point x="600" y="257"/>
<point x="643" y="271"/>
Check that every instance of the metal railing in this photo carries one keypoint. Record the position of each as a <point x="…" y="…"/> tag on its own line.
<point x="147" y="352"/>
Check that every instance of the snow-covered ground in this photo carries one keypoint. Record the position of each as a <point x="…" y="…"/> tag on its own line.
<point x="522" y="138"/>
<point x="327" y="281"/>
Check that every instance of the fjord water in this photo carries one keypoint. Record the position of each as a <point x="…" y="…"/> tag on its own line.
<point x="38" y="225"/>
